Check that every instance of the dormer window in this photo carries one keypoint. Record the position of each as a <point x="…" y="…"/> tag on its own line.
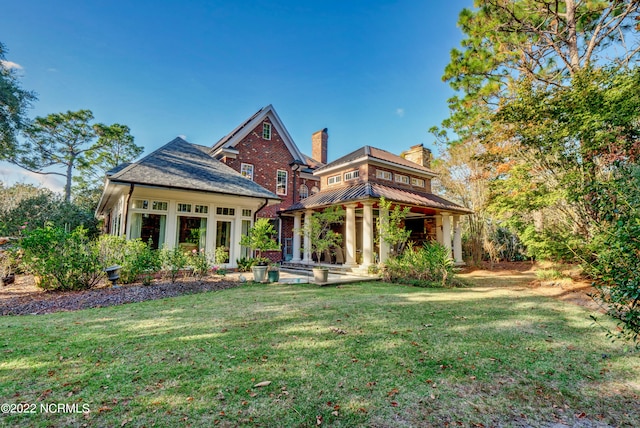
<point x="266" y="131"/>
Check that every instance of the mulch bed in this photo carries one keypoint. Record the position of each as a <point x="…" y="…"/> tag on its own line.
<point x="24" y="298"/>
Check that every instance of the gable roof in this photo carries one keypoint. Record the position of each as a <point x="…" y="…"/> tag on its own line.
<point x="182" y="165"/>
<point x="234" y="137"/>
<point x="365" y="191"/>
<point x="368" y="153"/>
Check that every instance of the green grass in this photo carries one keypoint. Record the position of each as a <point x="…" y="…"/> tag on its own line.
<point x="410" y="357"/>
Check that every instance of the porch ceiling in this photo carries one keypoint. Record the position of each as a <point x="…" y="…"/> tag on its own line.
<point x="364" y="191"/>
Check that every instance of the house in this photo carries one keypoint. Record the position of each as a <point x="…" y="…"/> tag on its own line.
<point x="180" y="196"/>
<point x="357" y="181"/>
<point x="197" y="197"/>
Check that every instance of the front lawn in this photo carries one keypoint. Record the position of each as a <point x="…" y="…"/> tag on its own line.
<point x="369" y="354"/>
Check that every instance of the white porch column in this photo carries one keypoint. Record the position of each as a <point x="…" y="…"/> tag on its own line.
<point x="457" y="240"/>
<point x="446" y="231"/>
<point x="367" y="234"/>
<point x="384" y="247"/>
<point x="297" y="223"/>
<point x="307" y="239"/>
<point x="350" y="229"/>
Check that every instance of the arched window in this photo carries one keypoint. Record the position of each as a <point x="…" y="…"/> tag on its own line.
<point x="304" y="191"/>
<point x="314" y="190"/>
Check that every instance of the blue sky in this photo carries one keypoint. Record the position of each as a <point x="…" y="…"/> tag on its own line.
<point x="369" y="71"/>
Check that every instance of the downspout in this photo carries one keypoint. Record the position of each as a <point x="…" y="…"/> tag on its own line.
<point x="126" y="210"/>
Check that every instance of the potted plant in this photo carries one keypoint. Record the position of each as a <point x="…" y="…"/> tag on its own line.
<point x="322" y="237"/>
<point x="260" y="239"/>
<point x="273" y="273"/>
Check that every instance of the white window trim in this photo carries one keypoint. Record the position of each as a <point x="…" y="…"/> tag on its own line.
<point x="242" y="166"/>
<point x="266" y="126"/>
<point x="384" y="175"/>
<point x="286" y="184"/>
<point x="351" y="175"/>
<point x="417" y="182"/>
<point x="401" y="179"/>
<point x="334" y="179"/>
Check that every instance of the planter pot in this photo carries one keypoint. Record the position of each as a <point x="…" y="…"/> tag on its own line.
<point x="273" y="275"/>
<point x="320" y="275"/>
<point x="259" y="273"/>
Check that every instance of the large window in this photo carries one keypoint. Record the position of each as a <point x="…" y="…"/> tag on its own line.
<point x="281" y="182"/>
<point x="192" y="232"/>
<point x="246" y="169"/>
<point x="266" y="131"/>
<point x="148" y="221"/>
<point x="149" y="228"/>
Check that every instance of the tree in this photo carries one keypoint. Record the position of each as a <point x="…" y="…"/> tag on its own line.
<point x="463" y="178"/>
<point x="67" y="141"/>
<point x="14" y="102"/>
<point x="539" y="45"/>
<point x="114" y="147"/>
<point x="393" y="231"/>
<point x="261" y="238"/>
<point x="24" y="207"/>
<point x="318" y="229"/>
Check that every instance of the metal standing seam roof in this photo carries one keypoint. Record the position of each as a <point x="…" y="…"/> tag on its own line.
<point x="364" y="191"/>
<point x="182" y="165"/>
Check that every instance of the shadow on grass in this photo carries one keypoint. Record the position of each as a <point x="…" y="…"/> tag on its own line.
<point x="378" y="352"/>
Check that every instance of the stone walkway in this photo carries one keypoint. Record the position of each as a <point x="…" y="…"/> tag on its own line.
<point x="291" y="276"/>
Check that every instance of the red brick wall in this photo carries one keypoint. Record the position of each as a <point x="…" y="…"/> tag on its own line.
<point x="267" y="157"/>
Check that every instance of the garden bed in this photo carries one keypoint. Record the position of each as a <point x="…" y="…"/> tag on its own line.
<point x="24" y="298"/>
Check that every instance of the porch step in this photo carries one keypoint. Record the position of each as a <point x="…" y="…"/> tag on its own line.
<point x="337" y="269"/>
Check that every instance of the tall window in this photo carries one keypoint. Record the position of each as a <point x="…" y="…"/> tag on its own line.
<point x="281" y="182"/>
<point x="304" y="191"/>
<point x="266" y="131"/>
<point x="246" y="169"/>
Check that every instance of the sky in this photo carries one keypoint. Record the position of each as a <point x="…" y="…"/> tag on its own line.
<point x="369" y="71"/>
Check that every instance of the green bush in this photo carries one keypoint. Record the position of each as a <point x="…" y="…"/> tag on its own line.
<point x="173" y="261"/>
<point x="61" y="260"/>
<point x="198" y="261"/>
<point x="245" y="264"/>
<point x="428" y="266"/>
<point x="137" y="260"/>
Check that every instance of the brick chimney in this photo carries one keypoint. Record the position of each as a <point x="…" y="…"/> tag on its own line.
<point x="319" y="145"/>
<point x="418" y="154"/>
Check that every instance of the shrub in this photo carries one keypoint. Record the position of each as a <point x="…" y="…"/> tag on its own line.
<point x="62" y="260"/>
<point x="136" y="258"/>
<point x="245" y="264"/>
<point x="429" y="266"/>
<point x="198" y="261"/>
<point x="173" y="260"/>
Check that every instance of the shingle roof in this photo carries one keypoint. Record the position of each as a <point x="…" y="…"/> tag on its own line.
<point x="364" y="191"/>
<point x="182" y="165"/>
<point x="369" y="152"/>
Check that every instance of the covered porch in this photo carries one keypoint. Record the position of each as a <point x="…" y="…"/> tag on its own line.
<point x="430" y="218"/>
